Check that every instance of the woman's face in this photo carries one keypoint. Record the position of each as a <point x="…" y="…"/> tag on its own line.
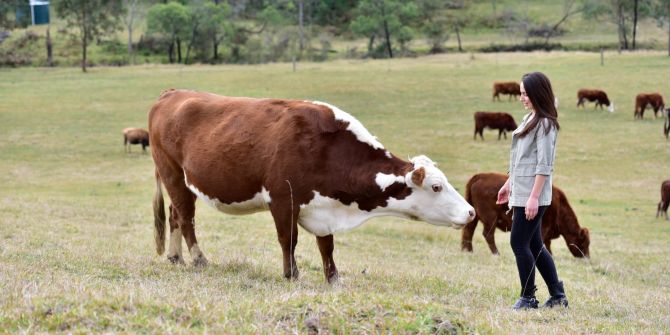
<point x="524" y="98"/>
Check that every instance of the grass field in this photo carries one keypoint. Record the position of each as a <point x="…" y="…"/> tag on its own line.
<point x="76" y="230"/>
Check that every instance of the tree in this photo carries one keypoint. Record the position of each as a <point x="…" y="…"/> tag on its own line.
<point x="133" y="13"/>
<point x="620" y="12"/>
<point x="7" y="8"/>
<point x="662" y="15"/>
<point x="92" y="19"/>
<point x="434" y="24"/>
<point x="215" y="22"/>
<point x="385" y="18"/>
<point x="172" y="20"/>
<point x="569" y="10"/>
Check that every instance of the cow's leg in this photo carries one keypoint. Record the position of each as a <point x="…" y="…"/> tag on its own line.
<point x="466" y="235"/>
<point x="187" y="226"/>
<point x="326" y="247"/>
<point x="286" y="222"/>
<point x="174" y="254"/>
<point x="182" y="212"/>
<point x="489" y="235"/>
<point x="185" y="207"/>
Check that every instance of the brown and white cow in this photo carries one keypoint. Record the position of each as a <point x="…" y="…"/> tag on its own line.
<point x="559" y="219"/>
<point x="665" y="200"/>
<point x="135" y="136"/>
<point x="309" y="163"/>
<point x="653" y="100"/>
<point x="506" y="87"/>
<point x="504" y="122"/>
<point x="599" y="96"/>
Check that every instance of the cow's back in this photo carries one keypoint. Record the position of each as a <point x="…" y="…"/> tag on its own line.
<point x="228" y="147"/>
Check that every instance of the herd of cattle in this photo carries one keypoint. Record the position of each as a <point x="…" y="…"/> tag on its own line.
<point x="503" y="121"/>
<point x="311" y="164"/>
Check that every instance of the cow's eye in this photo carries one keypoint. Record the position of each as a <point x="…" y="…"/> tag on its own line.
<point x="437" y="188"/>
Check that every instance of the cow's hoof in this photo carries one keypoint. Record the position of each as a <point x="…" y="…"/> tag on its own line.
<point x="292" y="275"/>
<point x="334" y="279"/>
<point x="176" y="259"/>
<point x="200" y="262"/>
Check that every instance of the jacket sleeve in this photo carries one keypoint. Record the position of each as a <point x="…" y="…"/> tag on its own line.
<point x="546" y="146"/>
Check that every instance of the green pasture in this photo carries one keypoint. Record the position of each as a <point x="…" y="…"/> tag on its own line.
<point x="76" y="227"/>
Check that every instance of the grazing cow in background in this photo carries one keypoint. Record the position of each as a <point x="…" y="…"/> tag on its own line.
<point x="559" y="219"/>
<point x="309" y="163"/>
<point x="135" y="136"/>
<point x="494" y="120"/>
<point x="654" y="100"/>
<point x="665" y="200"/>
<point x="600" y="98"/>
<point x="508" y="87"/>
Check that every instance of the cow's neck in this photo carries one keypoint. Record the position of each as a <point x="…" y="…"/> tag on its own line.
<point x="355" y="198"/>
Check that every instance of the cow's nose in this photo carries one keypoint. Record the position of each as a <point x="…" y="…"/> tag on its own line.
<point x="472" y="214"/>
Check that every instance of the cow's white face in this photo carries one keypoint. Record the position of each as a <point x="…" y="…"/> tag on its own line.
<point x="433" y="199"/>
<point x="611" y="108"/>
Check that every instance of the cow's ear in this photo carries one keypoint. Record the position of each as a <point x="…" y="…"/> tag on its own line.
<point x="418" y="176"/>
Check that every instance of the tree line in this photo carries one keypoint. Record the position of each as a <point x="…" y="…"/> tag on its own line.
<point x="257" y="31"/>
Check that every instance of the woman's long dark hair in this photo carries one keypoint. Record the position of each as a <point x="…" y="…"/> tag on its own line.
<point x="538" y="89"/>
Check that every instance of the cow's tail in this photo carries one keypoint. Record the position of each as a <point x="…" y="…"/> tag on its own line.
<point x="159" y="217"/>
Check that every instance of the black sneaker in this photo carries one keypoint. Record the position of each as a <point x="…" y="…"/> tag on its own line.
<point x="559" y="301"/>
<point x="526" y="303"/>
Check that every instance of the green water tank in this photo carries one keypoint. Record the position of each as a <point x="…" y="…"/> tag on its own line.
<point x="39" y="10"/>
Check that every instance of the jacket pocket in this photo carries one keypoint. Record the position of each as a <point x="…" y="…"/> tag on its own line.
<point x="524" y="179"/>
<point x="523" y="185"/>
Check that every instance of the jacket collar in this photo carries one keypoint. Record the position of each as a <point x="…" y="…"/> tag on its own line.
<point x="524" y="122"/>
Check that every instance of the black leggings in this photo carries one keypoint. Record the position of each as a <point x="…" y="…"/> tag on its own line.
<point x="529" y="250"/>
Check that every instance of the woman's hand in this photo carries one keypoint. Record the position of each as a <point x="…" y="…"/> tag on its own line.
<point x="531" y="208"/>
<point x="503" y="194"/>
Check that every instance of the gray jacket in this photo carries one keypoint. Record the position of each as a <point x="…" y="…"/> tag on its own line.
<point x="531" y="155"/>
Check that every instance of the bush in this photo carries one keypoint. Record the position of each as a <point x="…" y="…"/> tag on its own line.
<point x="533" y="46"/>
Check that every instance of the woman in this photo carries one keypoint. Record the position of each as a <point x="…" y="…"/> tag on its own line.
<point x="528" y="190"/>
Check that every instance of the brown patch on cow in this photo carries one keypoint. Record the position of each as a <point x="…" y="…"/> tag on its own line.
<point x="418" y="175"/>
<point x="592" y="95"/>
<point x="662" y="209"/>
<point x="653" y="100"/>
<point x="559" y="219"/>
<point x="503" y="122"/>
<point x="511" y="88"/>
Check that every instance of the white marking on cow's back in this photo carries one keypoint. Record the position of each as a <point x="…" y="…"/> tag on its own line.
<point x="355" y="126"/>
<point x="384" y="180"/>
<point x="259" y="202"/>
